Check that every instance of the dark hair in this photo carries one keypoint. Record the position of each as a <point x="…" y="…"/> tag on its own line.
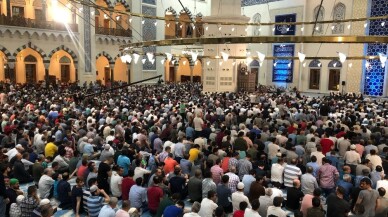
<point x="225" y="179"/>
<point x="366" y="180"/>
<point x="31" y="189"/>
<point x="255" y="204"/>
<point x="219" y="212"/>
<point x="139" y="181"/>
<point x="131" y="173"/>
<point x="381" y="191"/>
<point x="210" y="194"/>
<point x="54" y="164"/>
<point x="317" y="192"/>
<point x="243" y="205"/>
<point x="277" y="201"/>
<point x="92" y="181"/>
<point x="316" y="202"/>
<point x="313" y="158"/>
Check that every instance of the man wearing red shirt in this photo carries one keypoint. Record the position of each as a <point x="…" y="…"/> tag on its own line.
<point x="327" y="144"/>
<point x="169" y="164"/>
<point x="154" y="195"/>
<point x="126" y="184"/>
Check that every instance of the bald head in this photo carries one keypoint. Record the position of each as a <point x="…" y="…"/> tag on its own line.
<point x="296" y="183"/>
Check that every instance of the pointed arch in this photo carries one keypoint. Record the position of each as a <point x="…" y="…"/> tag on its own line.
<point x="105" y="54"/>
<point x="32" y="46"/>
<point x="69" y="51"/>
<point x="256" y="19"/>
<point x="335" y="64"/>
<point x="110" y="3"/>
<point x="320" y="17"/>
<point x="124" y="3"/>
<point x="315" y="64"/>
<point x="339" y="13"/>
<point x="170" y="10"/>
<point x="5" y="51"/>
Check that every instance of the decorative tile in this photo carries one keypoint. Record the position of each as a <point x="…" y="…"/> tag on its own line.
<point x="282" y="70"/>
<point x="285" y="29"/>
<point x="150" y="2"/>
<point x="374" y="74"/>
<point x="87" y="40"/>
<point x="149" y="34"/>
<point x="256" y="2"/>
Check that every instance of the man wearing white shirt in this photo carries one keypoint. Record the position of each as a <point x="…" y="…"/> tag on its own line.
<point x="276" y="209"/>
<point x="254" y="212"/>
<point x="352" y="157"/>
<point x="277" y="173"/>
<point x="116" y="180"/>
<point x="194" y="210"/>
<point x="319" y="155"/>
<point x="208" y="206"/>
<point x="238" y="197"/>
<point x="383" y="184"/>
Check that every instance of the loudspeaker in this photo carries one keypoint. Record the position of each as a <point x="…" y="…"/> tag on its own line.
<point x="343" y="83"/>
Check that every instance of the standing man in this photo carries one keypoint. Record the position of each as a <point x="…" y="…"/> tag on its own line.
<point x="337" y="206"/>
<point x="327" y="176"/>
<point x="368" y="197"/>
<point x="104" y="172"/>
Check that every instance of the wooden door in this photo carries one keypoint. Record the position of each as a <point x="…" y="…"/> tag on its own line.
<point x="334" y="79"/>
<point x="171" y="74"/>
<point x="65" y="73"/>
<point x="30" y="73"/>
<point x="106" y="23"/>
<point x="97" y="21"/>
<point x="107" y="74"/>
<point x="255" y="72"/>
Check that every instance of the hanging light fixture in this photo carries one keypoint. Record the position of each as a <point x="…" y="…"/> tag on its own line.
<point x="301" y="56"/>
<point x="208" y="62"/>
<point x="350" y="65"/>
<point x="261" y="56"/>
<point x="169" y="56"/>
<point x="184" y="62"/>
<point x="150" y="56"/>
<point x="153" y="61"/>
<point x="304" y="65"/>
<point x="123" y="59"/>
<point x="128" y="58"/>
<point x="194" y="56"/>
<point x="143" y="61"/>
<point x="225" y="56"/>
<point x="383" y="59"/>
<point x="162" y="61"/>
<point x="342" y="57"/>
<point x="136" y="57"/>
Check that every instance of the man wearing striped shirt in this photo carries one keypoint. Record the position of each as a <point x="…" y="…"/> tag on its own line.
<point x="95" y="202"/>
<point x="291" y="172"/>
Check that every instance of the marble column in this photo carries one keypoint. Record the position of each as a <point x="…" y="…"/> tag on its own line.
<point x="354" y="76"/>
<point x="46" y="63"/>
<point x="220" y="75"/>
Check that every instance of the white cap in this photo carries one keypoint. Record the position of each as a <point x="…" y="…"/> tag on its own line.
<point x="107" y="146"/>
<point x="353" y="147"/>
<point x="240" y="186"/>
<point x="44" y="202"/>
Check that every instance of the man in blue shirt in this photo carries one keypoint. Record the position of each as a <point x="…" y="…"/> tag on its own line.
<point x="124" y="162"/>
<point x="174" y="210"/>
<point x="346" y="183"/>
<point x="108" y="210"/>
<point x="314" y="165"/>
<point x="95" y="202"/>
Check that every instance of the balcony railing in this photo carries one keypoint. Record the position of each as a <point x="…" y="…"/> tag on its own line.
<point x="115" y="32"/>
<point x="39" y="24"/>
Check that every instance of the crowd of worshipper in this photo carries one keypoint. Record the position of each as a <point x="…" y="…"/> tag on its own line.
<point x="173" y="150"/>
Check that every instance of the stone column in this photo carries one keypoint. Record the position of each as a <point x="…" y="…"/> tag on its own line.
<point x="354" y="77"/>
<point x="76" y="70"/>
<point x="86" y="47"/>
<point x="46" y="63"/>
<point x="11" y="70"/>
<point x="44" y="10"/>
<point x="129" y="72"/>
<point x="111" y="70"/>
<point x="8" y="8"/>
